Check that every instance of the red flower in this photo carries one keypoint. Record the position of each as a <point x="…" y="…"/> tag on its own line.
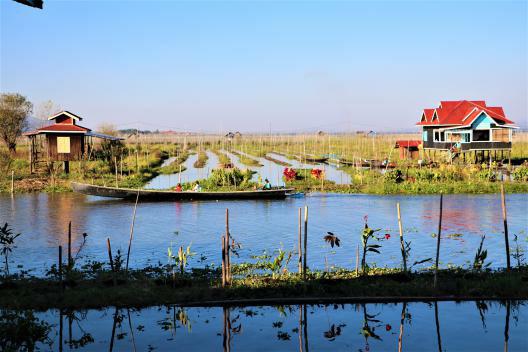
<point x="388" y="327"/>
<point x="387" y="236"/>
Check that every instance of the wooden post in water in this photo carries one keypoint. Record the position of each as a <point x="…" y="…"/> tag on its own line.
<point x="111" y="260"/>
<point x="131" y="234"/>
<point x="300" y="241"/>
<point x="305" y="264"/>
<point x="12" y="181"/>
<point x="505" y="220"/>
<point x="439" y="235"/>
<point x="223" y="262"/>
<point x="402" y="244"/>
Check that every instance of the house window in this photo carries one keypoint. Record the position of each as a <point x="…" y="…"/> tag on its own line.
<point x="481" y="135"/>
<point x="439" y="136"/>
<point x="424" y="136"/>
<point x="63" y="145"/>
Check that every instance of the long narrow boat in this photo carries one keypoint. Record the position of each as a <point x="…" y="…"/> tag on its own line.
<point x="155" y="195"/>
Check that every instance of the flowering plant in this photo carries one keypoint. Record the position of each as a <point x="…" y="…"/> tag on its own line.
<point x="289" y="174"/>
<point x="317" y="173"/>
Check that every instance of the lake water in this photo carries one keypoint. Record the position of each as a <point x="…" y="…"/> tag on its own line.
<point x="42" y="219"/>
<point x="445" y="326"/>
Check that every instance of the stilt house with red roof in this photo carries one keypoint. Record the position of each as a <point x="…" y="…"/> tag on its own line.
<point x="465" y="126"/>
<point x="64" y="141"/>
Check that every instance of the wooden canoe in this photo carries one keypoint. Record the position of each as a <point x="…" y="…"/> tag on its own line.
<point x="155" y="195"/>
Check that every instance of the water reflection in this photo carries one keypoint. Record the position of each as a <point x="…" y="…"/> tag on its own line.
<point x="331" y="327"/>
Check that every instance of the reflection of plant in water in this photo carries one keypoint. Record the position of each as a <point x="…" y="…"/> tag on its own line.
<point x="480" y="256"/>
<point x="21" y="331"/>
<point x="282" y="335"/>
<point x="7" y="241"/>
<point x="333" y="332"/>
<point x="368" y="331"/>
<point x="482" y="308"/>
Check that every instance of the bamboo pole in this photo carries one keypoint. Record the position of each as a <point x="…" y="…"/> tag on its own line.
<point x="131" y="234"/>
<point x="439" y="235"/>
<point x="402" y="244"/>
<point x="223" y="262"/>
<point x="300" y="241"/>
<point x="12" y="181"/>
<point x="116" y="170"/>
<point x="505" y="220"/>
<point x="111" y="260"/>
<point x="228" y="248"/>
<point x="357" y="260"/>
<point x="305" y="264"/>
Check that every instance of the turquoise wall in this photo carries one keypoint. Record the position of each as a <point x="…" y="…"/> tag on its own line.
<point x="483" y="122"/>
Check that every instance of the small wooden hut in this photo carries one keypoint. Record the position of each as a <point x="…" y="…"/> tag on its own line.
<point x="408" y="149"/>
<point x="63" y="141"/>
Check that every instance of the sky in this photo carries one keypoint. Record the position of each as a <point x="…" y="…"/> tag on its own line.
<point x="254" y="66"/>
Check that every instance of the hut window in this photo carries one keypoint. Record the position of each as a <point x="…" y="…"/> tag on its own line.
<point x="63" y="145"/>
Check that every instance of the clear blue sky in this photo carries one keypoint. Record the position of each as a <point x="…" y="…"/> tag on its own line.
<point x="299" y="66"/>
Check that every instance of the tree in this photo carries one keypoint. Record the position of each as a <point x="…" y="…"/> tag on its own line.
<point x="14" y="112"/>
<point x="45" y="110"/>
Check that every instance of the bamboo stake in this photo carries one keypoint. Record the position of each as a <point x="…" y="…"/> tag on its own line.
<point x="505" y="220"/>
<point x="131" y="234"/>
<point x="12" y="181"/>
<point x="223" y="263"/>
<point x="402" y="245"/>
<point x="300" y="241"/>
<point x="111" y="260"/>
<point x="357" y="260"/>
<point x="116" y="169"/>
<point x="228" y="248"/>
<point x="305" y="264"/>
<point x="439" y="235"/>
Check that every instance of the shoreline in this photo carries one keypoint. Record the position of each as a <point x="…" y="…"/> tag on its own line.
<point x="202" y="287"/>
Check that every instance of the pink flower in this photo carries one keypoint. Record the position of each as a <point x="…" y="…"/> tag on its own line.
<point x="387" y="236"/>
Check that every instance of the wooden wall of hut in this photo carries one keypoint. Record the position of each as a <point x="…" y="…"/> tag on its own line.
<point x="76" y="147"/>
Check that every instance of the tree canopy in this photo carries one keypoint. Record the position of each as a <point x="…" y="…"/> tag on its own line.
<point x="14" y="112"/>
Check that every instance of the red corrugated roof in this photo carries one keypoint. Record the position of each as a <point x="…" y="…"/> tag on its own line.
<point x="407" y="143"/>
<point x="63" y="128"/>
<point x="462" y="112"/>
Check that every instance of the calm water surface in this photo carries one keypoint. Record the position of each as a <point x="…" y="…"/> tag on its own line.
<point x="42" y="219"/>
<point x="445" y="326"/>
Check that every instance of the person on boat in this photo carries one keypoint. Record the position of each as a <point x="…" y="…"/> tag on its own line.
<point x="178" y="188"/>
<point x="197" y="187"/>
<point x="267" y="185"/>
